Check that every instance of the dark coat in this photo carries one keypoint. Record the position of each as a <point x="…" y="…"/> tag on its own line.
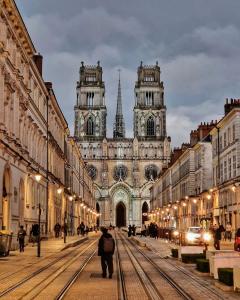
<point x="218" y="235"/>
<point x="100" y="244"/>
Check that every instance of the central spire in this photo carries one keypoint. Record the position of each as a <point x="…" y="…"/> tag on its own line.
<point x="119" y="125"/>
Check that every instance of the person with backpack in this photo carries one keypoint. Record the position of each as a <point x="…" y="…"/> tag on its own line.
<point x="106" y="247"/>
<point x="21" y="238"/>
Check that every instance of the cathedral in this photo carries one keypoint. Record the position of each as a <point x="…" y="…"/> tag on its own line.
<point x="123" y="168"/>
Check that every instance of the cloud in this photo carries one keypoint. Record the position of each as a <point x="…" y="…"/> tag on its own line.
<point x="196" y="43"/>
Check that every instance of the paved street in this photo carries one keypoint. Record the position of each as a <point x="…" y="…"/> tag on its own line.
<point x="137" y="272"/>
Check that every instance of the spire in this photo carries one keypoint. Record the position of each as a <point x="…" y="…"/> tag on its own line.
<point x="119" y="125"/>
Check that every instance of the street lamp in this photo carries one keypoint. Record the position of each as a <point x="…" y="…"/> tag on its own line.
<point x="38" y="177"/>
<point x="59" y="190"/>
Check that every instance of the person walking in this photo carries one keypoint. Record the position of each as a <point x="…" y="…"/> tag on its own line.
<point x="106" y="247"/>
<point x="129" y="230"/>
<point x="57" y="229"/>
<point x="21" y="238"/>
<point x="133" y="230"/>
<point x="217" y="237"/>
<point x="82" y="228"/>
<point x="228" y="232"/>
<point x="237" y="241"/>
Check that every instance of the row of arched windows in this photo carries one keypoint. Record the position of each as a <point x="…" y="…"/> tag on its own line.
<point x="149" y="98"/>
<point x="90" y="98"/>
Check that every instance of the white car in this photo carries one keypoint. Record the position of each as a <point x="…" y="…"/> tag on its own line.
<point x="194" y="236"/>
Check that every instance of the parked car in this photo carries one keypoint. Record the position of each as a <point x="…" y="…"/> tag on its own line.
<point x="196" y="236"/>
<point x="193" y="236"/>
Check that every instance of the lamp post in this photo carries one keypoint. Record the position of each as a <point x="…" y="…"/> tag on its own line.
<point x="38" y="178"/>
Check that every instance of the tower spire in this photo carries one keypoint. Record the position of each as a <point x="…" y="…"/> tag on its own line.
<point x="119" y="125"/>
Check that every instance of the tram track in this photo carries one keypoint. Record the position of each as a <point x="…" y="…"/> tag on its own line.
<point x="26" y="280"/>
<point x="150" y="281"/>
<point x="200" y="285"/>
<point x="6" y="277"/>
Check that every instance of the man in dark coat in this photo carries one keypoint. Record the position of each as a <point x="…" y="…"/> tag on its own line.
<point x="106" y="247"/>
<point x="21" y="238"/>
<point x="217" y="237"/>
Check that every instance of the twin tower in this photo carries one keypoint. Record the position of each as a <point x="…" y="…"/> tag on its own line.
<point x="91" y="111"/>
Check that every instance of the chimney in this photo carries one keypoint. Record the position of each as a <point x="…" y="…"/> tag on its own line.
<point x="194" y="137"/>
<point x="38" y="59"/>
<point x="229" y="105"/>
<point x="49" y="85"/>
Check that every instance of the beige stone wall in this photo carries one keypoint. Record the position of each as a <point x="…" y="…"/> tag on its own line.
<point x="24" y="100"/>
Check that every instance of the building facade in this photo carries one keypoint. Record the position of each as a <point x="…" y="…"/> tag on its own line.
<point x="123" y="169"/>
<point x="34" y="136"/>
<point x="181" y="197"/>
<point x="226" y="162"/>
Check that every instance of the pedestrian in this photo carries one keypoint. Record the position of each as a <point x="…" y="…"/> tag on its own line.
<point x="129" y="230"/>
<point x="217" y="237"/>
<point x="82" y="228"/>
<point x="78" y="230"/>
<point x="237" y="241"/>
<point x="57" y="229"/>
<point x="106" y="247"/>
<point x="21" y="238"/>
<point x="34" y="234"/>
<point x="228" y="232"/>
<point x="134" y="230"/>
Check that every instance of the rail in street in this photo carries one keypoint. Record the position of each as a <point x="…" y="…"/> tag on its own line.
<point x="76" y="274"/>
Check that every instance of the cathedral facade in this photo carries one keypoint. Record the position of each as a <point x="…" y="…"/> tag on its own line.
<point x="123" y="169"/>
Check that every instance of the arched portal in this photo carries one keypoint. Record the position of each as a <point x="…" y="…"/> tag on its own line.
<point x="144" y="212"/>
<point x="6" y="191"/>
<point x="98" y="212"/>
<point x="120" y="215"/>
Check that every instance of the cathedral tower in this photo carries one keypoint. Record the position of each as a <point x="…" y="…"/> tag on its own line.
<point x="90" y="109"/>
<point x="119" y="125"/>
<point x="149" y="110"/>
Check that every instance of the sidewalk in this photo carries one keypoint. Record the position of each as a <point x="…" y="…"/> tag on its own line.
<point x="48" y="247"/>
<point x="163" y="247"/>
<point x="18" y="261"/>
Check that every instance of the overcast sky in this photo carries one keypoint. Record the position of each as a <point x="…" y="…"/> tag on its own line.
<point x="196" y="43"/>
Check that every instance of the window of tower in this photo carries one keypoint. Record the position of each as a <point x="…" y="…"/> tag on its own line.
<point x="150" y="126"/>
<point x="149" y="98"/>
<point x="91" y="78"/>
<point x="90" y="126"/>
<point x="148" y="78"/>
<point x="90" y="97"/>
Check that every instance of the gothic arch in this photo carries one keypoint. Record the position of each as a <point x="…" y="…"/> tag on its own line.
<point x="120" y="192"/>
<point x="90" y="125"/>
<point x="150" y="126"/>
<point x="120" y="214"/>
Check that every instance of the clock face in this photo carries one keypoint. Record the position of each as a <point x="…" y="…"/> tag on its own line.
<point x="120" y="172"/>
<point x="151" y="172"/>
<point x="92" y="171"/>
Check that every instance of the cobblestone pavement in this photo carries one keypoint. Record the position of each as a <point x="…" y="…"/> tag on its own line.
<point x="90" y="284"/>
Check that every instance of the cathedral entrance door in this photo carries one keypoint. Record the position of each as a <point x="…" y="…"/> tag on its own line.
<point x="120" y="215"/>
